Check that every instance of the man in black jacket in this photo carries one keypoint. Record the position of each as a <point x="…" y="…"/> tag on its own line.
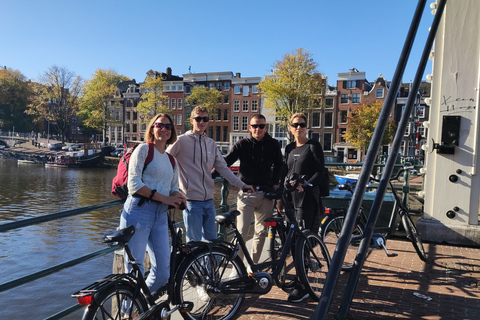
<point x="261" y="162"/>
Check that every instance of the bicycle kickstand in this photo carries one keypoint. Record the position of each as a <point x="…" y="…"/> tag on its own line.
<point x="380" y="243"/>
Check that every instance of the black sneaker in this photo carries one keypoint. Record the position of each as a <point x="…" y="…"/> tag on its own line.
<point x="297" y="295"/>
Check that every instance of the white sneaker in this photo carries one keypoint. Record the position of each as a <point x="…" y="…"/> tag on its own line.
<point x="202" y="294"/>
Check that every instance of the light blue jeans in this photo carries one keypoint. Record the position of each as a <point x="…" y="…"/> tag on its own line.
<point x="199" y="220"/>
<point x="151" y="233"/>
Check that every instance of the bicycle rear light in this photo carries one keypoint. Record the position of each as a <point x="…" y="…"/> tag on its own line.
<point x="327" y="210"/>
<point x="85" y="300"/>
<point x="270" y="223"/>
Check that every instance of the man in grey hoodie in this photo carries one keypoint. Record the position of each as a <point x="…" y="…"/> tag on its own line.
<point x="196" y="155"/>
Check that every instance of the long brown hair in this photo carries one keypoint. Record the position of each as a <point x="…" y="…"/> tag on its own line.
<point x="150" y="137"/>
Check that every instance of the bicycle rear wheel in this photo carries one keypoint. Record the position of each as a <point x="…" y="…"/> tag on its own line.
<point x="312" y="263"/>
<point x="413" y="236"/>
<point x="198" y="276"/>
<point x="330" y="232"/>
<point x="119" y="302"/>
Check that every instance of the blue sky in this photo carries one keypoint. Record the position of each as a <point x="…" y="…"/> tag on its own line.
<point x="247" y="36"/>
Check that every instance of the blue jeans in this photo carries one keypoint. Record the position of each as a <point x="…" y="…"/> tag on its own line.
<point x="151" y="233"/>
<point x="199" y="220"/>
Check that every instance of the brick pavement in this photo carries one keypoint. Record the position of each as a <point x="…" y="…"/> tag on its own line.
<point x="402" y="287"/>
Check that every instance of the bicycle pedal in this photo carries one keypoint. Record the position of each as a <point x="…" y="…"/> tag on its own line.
<point x="186" y="306"/>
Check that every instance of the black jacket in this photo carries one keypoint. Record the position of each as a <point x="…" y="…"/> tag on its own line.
<point x="260" y="161"/>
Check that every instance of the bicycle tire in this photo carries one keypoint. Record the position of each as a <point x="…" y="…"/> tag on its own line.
<point x="201" y="271"/>
<point x="330" y="232"/>
<point x="311" y="271"/>
<point x="109" y="305"/>
<point x="413" y="236"/>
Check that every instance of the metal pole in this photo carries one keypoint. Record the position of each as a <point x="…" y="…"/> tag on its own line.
<point x="377" y="203"/>
<point x="344" y="239"/>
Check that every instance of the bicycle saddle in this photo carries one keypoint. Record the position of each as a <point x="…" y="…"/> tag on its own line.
<point x="122" y="236"/>
<point x="228" y="218"/>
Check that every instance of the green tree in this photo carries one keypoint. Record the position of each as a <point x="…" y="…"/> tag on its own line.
<point x="295" y="85"/>
<point x="361" y="125"/>
<point x="153" y="101"/>
<point x="209" y="98"/>
<point x="98" y="93"/>
<point x="14" y="95"/>
<point x="55" y="98"/>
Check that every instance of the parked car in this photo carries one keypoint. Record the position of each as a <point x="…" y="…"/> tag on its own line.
<point x="118" y="152"/>
<point x="55" y="146"/>
<point x="72" y="147"/>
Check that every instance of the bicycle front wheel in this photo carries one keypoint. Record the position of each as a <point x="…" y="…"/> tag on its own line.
<point x="413" y="236"/>
<point x="119" y="302"/>
<point x="197" y="278"/>
<point x="330" y="232"/>
<point x="312" y="263"/>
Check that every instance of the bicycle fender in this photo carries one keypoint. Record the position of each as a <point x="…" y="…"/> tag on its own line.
<point x="101" y="285"/>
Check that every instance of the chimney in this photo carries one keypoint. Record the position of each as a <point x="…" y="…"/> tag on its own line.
<point x="237" y="75"/>
<point x="169" y="72"/>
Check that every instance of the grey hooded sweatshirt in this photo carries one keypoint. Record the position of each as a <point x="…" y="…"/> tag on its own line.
<point x="196" y="156"/>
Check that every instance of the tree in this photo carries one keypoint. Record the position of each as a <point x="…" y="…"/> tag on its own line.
<point x="98" y="92"/>
<point x="361" y="125"/>
<point x="209" y="98"/>
<point x="55" y="98"/>
<point x="14" y="94"/>
<point x="153" y="101"/>
<point x="295" y="85"/>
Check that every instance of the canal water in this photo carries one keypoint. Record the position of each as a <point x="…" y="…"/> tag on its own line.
<point x="29" y="190"/>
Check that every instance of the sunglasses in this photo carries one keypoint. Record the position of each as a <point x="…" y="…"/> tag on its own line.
<point x="296" y="125"/>
<point x="255" y="126"/>
<point x="166" y="126"/>
<point x="198" y="119"/>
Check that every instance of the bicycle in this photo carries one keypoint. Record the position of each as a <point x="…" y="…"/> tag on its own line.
<point x="311" y="260"/>
<point x="126" y="296"/>
<point x="333" y="220"/>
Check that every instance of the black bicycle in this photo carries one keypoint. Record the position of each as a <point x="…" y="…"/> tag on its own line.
<point x="224" y="273"/>
<point x="126" y="296"/>
<point x="333" y="221"/>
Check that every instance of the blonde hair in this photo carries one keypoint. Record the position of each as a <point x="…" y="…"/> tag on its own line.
<point x="298" y="115"/>
<point x="199" y="109"/>
<point x="150" y="137"/>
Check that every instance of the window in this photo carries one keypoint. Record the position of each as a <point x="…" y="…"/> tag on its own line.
<point x="225" y="134"/>
<point x="315" y="136"/>
<point x="219" y="114"/>
<point x="422" y="132"/>
<point x="226" y="86"/>
<point x="173" y="103"/>
<point x="350" y="84"/>
<point x="356" y="98"/>
<point x="341" y="131"/>
<point x="211" y="85"/>
<point x="226" y="98"/>
<point x="254" y="89"/>
<point x="179" y="119"/>
<point x="421" y="111"/>
<point x="188" y="89"/>
<point x="236" y="90"/>
<point x="134" y="128"/>
<point x="219" y="86"/>
<point x="245" y="106"/>
<point x="352" y="154"/>
<point x="236" y="105"/>
<point x="174" y="88"/>
<point x="127" y="115"/>
<point x="344" y="98"/>
<point x="327" y="142"/>
<point x="180" y="87"/>
<point x="316" y="120"/>
<point x="144" y="127"/>
<point x="210" y="132"/>
<point x="379" y="93"/>
<point x="254" y="105"/>
<point x="167" y="88"/>
<point x="134" y="115"/>
<point x="328" y="102"/>
<point x="167" y="103"/>
<point x="217" y="133"/>
<point x="235" y="123"/>
<point x="343" y="116"/>
<point x="246" y="90"/>
<point x="328" y="119"/>
<point x="179" y="103"/>
<point x="225" y="114"/>
<point x="244" y="123"/>
<point x="407" y="131"/>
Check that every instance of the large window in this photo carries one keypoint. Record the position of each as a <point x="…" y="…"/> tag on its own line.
<point x="316" y="120"/>
<point x="254" y="89"/>
<point x="219" y="114"/>
<point x="225" y="134"/>
<point x="352" y="154"/>
<point x="237" y="90"/>
<point x="328" y="119"/>
<point x="226" y="86"/>
<point x="219" y="86"/>
<point x="235" y="123"/>
<point x="245" y="106"/>
<point x="327" y="141"/>
<point x="236" y="105"/>
<point x="254" y="105"/>
<point x="246" y="90"/>
<point x="329" y="102"/>
<point x="341" y="131"/>
<point x="244" y="123"/>
<point x="356" y="98"/>
<point x="225" y="114"/>
<point x="350" y="84"/>
<point x="179" y="103"/>
<point x="173" y="103"/>
<point x="344" y="98"/>
<point x="179" y="119"/>
<point x="343" y="116"/>
<point x="217" y="133"/>
<point x="379" y="93"/>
